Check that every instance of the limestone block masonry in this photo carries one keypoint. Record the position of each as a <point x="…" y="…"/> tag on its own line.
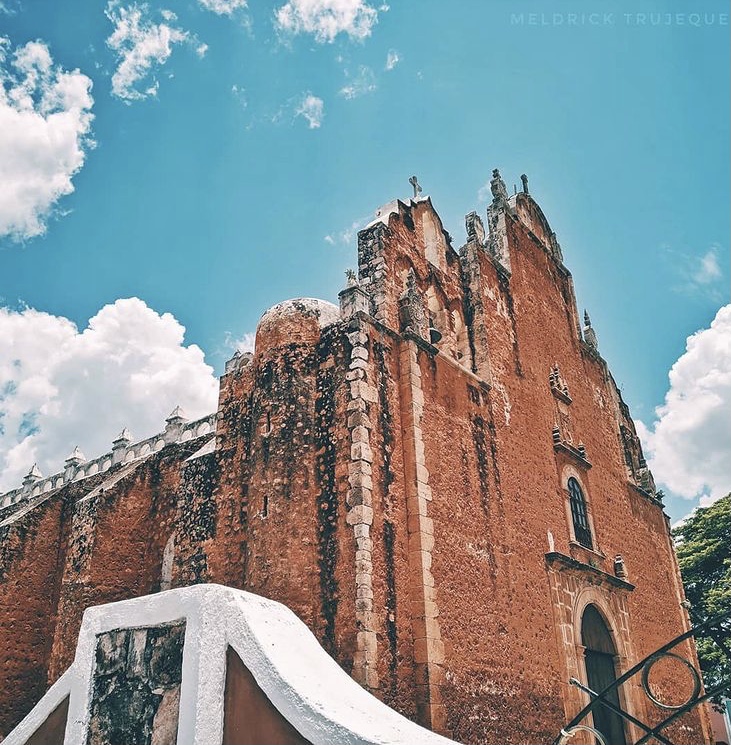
<point x="438" y="477"/>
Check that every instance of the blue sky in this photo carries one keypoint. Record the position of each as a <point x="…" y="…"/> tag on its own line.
<point x="213" y="198"/>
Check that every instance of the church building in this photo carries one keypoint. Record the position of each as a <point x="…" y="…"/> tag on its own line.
<point x="438" y="476"/>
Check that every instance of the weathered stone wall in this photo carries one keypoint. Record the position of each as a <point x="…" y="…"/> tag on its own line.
<point x="392" y="575"/>
<point x="118" y="532"/>
<point x="397" y="475"/>
<point x="94" y="541"/>
<point x="30" y="567"/>
<point x="136" y="686"/>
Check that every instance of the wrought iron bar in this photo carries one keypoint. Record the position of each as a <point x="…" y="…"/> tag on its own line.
<point x="712" y="628"/>
<point x="709" y="694"/>
<point x="617" y="710"/>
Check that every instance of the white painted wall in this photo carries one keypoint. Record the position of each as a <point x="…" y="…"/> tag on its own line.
<point x="303" y="682"/>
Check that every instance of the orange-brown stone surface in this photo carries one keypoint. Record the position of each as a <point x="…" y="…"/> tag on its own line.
<point x="395" y="473"/>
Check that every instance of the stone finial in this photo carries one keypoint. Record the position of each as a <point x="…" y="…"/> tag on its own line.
<point x="72" y="463"/>
<point x="174" y="425"/>
<point x="620" y="570"/>
<point x="475" y="229"/>
<point x="412" y="313"/>
<point x="32" y="476"/>
<point x="35" y="472"/>
<point x="558" y="384"/>
<point x="76" y="457"/>
<point x="353" y="298"/>
<point x="119" y="446"/>
<point x="177" y="414"/>
<point x="238" y="360"/>
<point x="589" y="333"/>
<point x="411" y="281"/>
<point x="497" y="187"/>
<point x="124" y="437"/>
<point x="233" y="363"/>
<point x="524" y="179"/>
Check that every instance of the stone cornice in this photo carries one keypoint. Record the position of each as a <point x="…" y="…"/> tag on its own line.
<point x="568" y="563"/>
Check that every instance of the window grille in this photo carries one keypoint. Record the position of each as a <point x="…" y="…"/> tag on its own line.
<point x="579" y="514"/>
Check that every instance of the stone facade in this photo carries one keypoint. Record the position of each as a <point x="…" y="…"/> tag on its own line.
<point x="397" y="472"/>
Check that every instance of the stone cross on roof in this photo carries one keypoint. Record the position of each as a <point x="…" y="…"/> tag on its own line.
<point x="417" y="188"/>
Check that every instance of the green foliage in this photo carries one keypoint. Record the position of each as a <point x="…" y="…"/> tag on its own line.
<point x="703" y="544"/>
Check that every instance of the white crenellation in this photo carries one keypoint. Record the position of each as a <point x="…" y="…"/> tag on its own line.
<point x="123" y="451"/>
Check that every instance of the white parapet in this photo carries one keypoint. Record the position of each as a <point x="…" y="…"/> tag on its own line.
<point x="305" y="685"/>
<point x="123" y="451"/>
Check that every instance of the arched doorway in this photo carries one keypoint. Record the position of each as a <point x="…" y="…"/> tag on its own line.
<point x="599" y="656"/>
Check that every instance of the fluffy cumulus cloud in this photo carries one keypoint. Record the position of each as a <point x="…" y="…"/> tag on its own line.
<point x="60" y="386"/>
<point x="140" y="45"/>
<point x="45" y="124"/>
<point x="689" y="445"/>
<point x="311" y="109"/>
<point x="223" y="7"/>
<point x="325" y="19"/>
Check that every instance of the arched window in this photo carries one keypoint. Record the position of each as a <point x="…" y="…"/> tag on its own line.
<point x="582" y="531"/>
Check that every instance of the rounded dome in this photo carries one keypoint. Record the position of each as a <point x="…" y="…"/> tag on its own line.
<point x="296" y="321"/>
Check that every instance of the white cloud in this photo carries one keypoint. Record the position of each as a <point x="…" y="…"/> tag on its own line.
<point x="346" y="235"/>
<point x="45" y="124"/>
<point x="699" y="275"/>
<point x="60" y="387"/>
<point x="707" y="269"/>
<point x="363" y="82"/>
<point x="312" y="109"/>
<point x="140" y="44"/>
<point x="244" y="343"/>
<point x="392" y="59"/>
<point x="325" y="19"/>
<point x="689" y="445"/>
<point x="223" y="7"/>
<point x="484" y="194"/>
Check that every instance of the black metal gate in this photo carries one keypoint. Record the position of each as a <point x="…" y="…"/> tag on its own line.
<point x="715" y="629"/>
